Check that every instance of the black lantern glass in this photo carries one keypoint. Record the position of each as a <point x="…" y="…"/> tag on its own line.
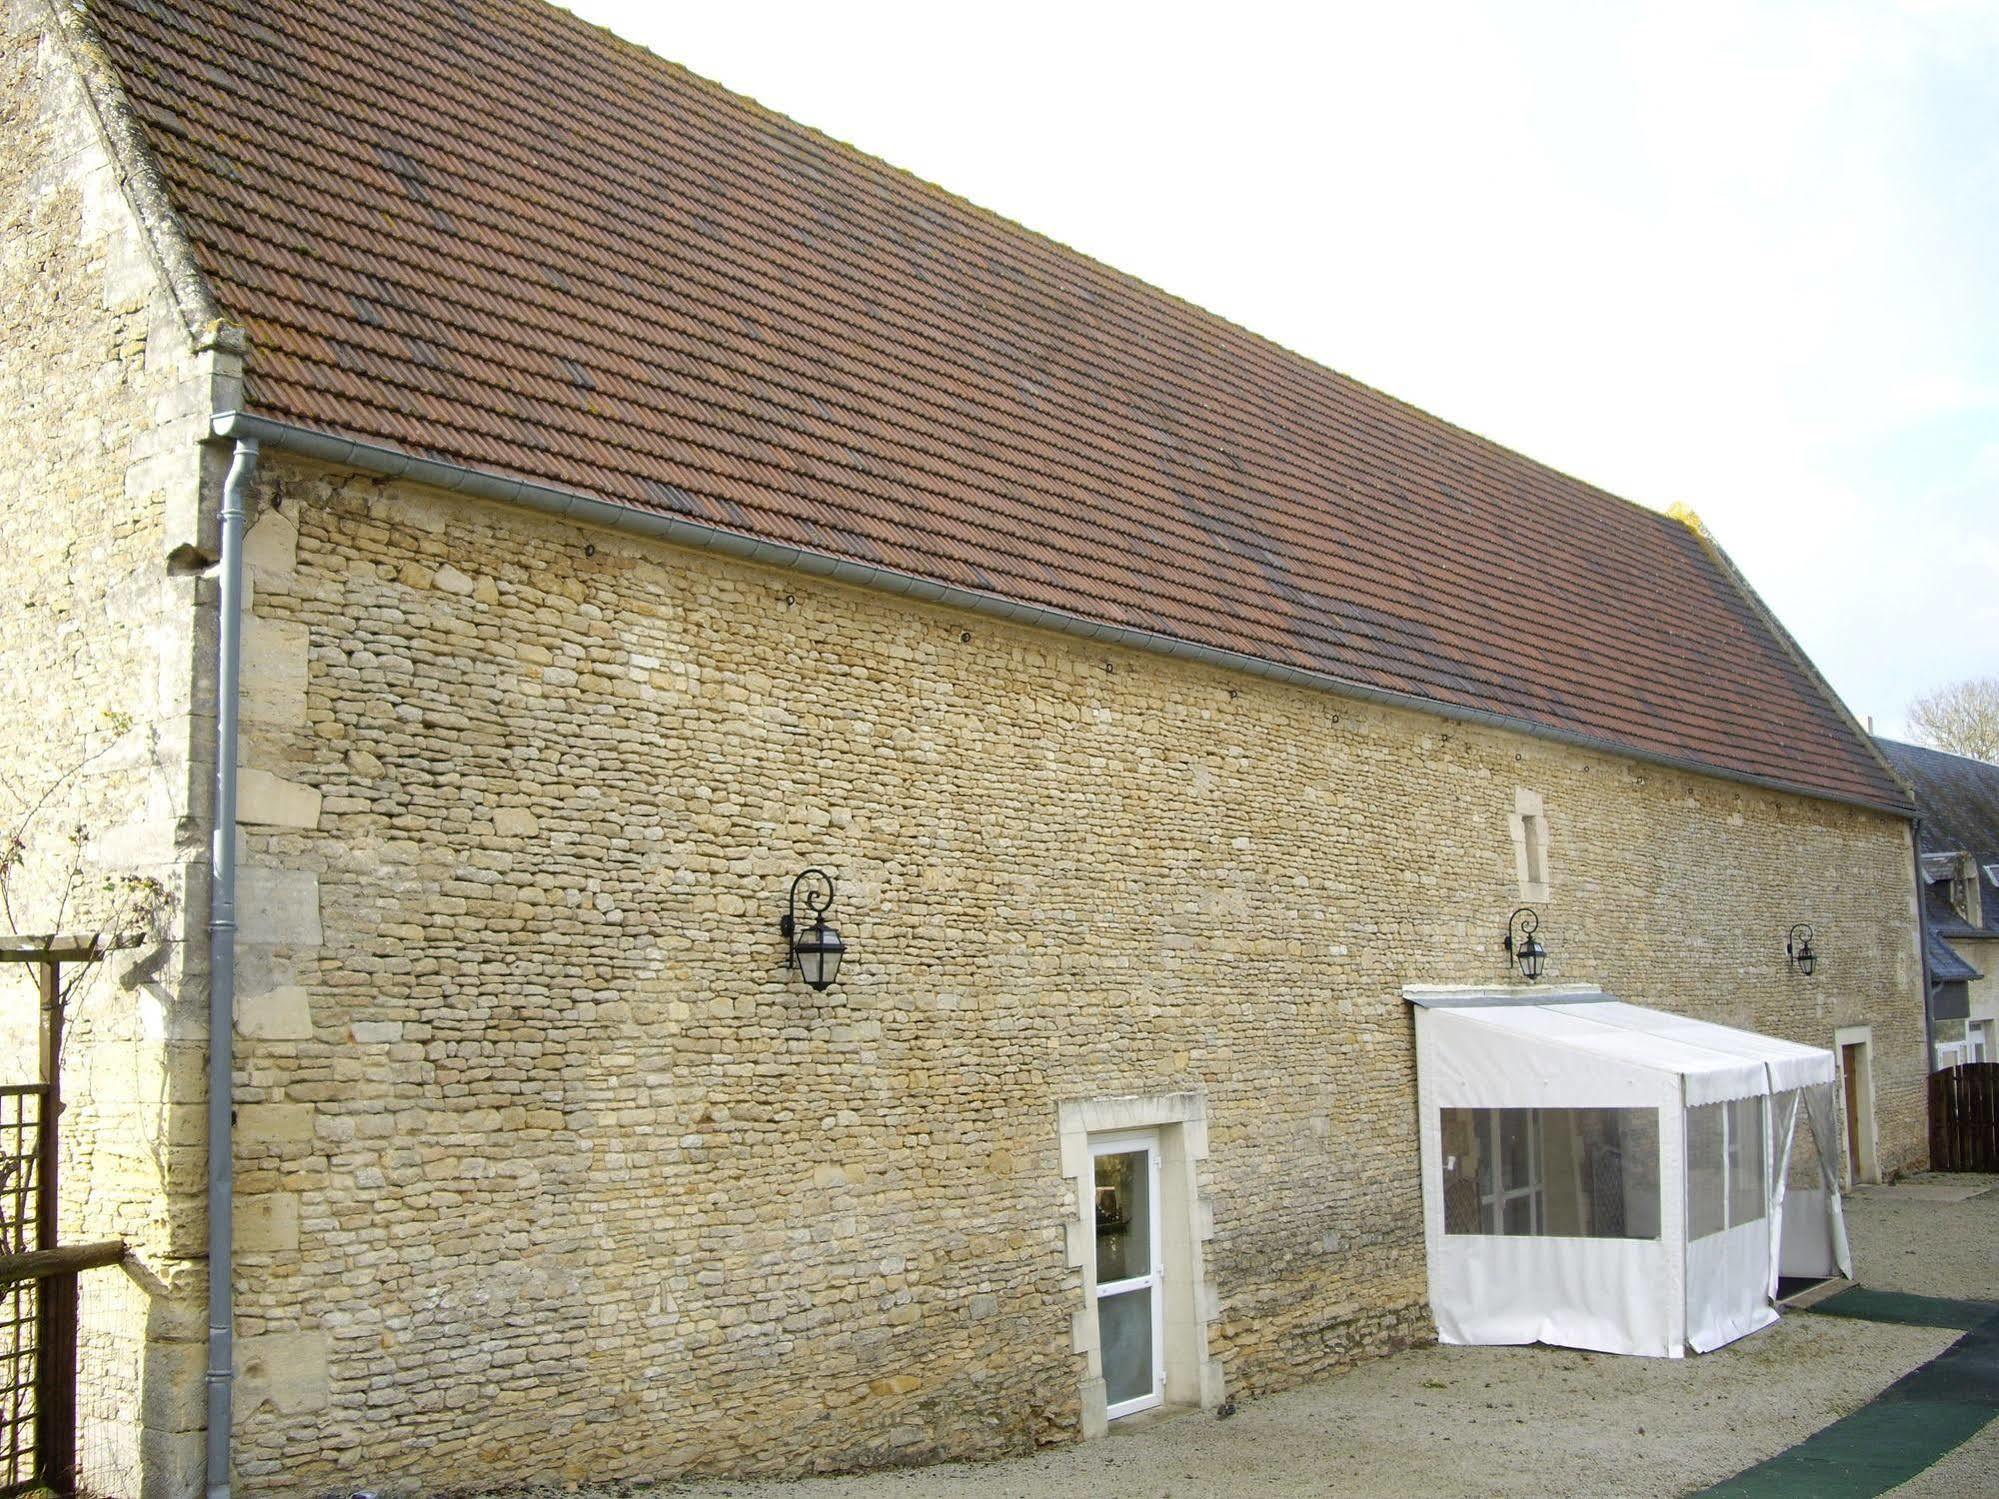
<point x="818" y="954"/>
<point x="1798" y="948"/>
<point x="1525" y="950"/>
<point x="816" y="949"/>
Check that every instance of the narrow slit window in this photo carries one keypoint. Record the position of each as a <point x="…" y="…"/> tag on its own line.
<point x="1536" y="849"/>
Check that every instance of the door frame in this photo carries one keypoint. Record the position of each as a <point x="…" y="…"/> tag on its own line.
<point x="1859" y="1130"/>
<point x="1982" y="1033"/>
<point x="1131" y="1142"/>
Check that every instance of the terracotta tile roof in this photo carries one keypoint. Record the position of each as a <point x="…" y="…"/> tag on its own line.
<point x="484" y="232"/>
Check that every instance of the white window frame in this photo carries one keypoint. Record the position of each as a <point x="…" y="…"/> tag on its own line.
<point x="1980" y="1040"/>
<point x="1492" y="1205"/>
<point x="1154" y="1280"/>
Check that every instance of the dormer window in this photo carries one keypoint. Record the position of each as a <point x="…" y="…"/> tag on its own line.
<point x="1957" y="873"/>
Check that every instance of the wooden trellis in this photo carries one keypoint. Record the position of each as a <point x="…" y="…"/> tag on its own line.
<point x="38" y="1273"/>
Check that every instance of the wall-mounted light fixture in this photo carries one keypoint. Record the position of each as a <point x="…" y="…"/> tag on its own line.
<point x="1525" y="951"/>
<point x="1798" y="948"/>
<point x="816" y="950"/>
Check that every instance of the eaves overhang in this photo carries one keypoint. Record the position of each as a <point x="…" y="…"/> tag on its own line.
<point x="387" y="462"/>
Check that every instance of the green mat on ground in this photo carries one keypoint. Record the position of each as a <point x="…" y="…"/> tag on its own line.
<point x="1901" y="1307"/>
<point x="1905" y="1428"/>
<point x="1868" y="1453"/>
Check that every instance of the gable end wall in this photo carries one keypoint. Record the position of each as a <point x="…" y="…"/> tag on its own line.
<point x="101" y="661"/>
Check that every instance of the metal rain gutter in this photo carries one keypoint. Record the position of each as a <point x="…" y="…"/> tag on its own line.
<point x="1923" y="948"/>
<point x="392" y="463"/>
<point x="222" y="976"/>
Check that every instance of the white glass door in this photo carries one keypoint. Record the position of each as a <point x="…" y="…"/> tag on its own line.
<point x="1130" y="1328"/>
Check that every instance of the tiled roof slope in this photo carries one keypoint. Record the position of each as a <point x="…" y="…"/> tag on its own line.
<point x="487" y="233"/>
<point x="1957" y="799"/>
<point x="1947" y="964"/>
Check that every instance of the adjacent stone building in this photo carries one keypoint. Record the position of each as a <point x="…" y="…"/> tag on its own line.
<point x="1957" y="806"/>
<point x="653" y="499"/>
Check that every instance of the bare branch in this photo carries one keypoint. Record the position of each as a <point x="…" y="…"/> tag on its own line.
<point x="1962" y="718"/>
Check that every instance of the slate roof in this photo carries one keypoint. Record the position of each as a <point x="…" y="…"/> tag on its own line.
<point x="1947" y="964"/>
<point x="484" y="232"/>
<point x="1957" y="799"/>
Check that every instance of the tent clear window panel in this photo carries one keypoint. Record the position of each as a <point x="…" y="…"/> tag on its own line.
<point x="1725" y="1152"/>
<point x="1554" y="1173"/>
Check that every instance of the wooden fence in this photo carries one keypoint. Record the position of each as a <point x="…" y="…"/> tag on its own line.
<point x="1964" y="1118"/>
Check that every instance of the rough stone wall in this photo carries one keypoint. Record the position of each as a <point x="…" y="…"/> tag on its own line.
<point x="104" y="396"/>
<point x="560" y="1175"/>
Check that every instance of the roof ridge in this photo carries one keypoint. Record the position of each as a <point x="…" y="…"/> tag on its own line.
<point x="1931" y="749"/>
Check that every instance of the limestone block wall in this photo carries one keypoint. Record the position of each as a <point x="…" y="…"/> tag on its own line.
<point x="105" y="394"/>
<point x="558" y="1174"/>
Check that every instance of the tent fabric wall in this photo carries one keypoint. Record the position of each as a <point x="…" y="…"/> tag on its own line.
<point x="1782" y="1129"/>
<point x="1822" y="1112"/>
<point x="1727" y="1294"/>
<point x="1484" y="1050"/>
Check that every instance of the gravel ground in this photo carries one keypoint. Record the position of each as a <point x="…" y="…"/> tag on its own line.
<point x="1969" y="1472"/>
<point x="1929" y="1235"/>
<point x="1534" y="1421"/>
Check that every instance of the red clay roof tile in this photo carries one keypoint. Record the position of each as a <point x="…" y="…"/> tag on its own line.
<point x="487" y="233"/>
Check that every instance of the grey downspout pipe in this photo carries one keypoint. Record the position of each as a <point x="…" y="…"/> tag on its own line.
<point x="222" y="977"/>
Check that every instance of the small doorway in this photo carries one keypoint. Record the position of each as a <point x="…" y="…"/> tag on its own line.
<point x="1980" y="1037"/>
<point x="1130" y="1307"/>
<point x="1855" y="1049"/>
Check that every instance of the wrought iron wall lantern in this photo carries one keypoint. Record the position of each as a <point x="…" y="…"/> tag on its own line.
<point x="816" y="949"/>
<point x="1525" y="951"/>
<point x="1798" y="948"/>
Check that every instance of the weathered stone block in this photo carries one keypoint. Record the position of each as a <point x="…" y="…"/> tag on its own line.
<point x="266" y="1223"/>
<point x="270" y="549"/>
<point x="277" y="907"/>
<point x="285" y="1370"/>
<point x="281" y="1014"/>
<point x="273" y="1123"/>
<point x="173" y="1393"/>
<point x="273" y="669"/>
<point x="262" y="797"/>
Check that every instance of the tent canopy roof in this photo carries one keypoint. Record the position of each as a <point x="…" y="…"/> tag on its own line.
<point x="1713" y="1062"/>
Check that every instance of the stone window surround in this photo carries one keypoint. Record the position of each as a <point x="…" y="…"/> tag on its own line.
<point x="1529" y="819"/>
<point x="1193" y="1376"/>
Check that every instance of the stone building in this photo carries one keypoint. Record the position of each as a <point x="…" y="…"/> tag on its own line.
<point x="649" y="499"/>
<point x="1957" y="831"/>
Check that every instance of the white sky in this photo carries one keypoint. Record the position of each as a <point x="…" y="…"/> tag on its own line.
<point x="1741" y="256"/>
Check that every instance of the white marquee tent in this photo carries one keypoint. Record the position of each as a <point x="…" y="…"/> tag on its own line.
<point x="1602" y="1176"/>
